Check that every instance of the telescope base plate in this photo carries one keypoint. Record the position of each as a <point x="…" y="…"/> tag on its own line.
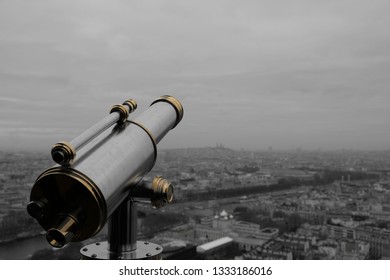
<point x="98" y="251"/>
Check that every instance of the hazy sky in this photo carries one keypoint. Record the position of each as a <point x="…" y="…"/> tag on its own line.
<point x="250" y="74"/>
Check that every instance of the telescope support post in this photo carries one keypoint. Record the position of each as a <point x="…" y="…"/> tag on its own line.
<point x="122" y="228"/>
<point x="122" y="241"/>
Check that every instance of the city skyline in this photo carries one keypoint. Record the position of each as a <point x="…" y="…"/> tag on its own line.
<point x="251" y="75"/>
<point x="333" y="205"/>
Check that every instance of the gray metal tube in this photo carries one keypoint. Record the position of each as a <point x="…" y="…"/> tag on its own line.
<point x="104" y="172"/>
<point x="85" y="137"/>
<point x="64" y="152"/>
<point x="122" y="228"/>
<point x="119" y="157"/>
<point x="115" y="160"/>
<point x="159" y="119"/>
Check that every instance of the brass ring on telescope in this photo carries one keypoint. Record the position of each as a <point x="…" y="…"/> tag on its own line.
<point x="122" y="110"/>
<point x="162" y="192"/>
<point x="63" y="153"/>
<point x="154" y="142"/>
<point x="67" y="184"/>
<point x="132" y="104"/>
<point x="175" y="103"/>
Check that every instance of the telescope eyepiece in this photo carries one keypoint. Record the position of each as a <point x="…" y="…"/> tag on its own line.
<point x="57" y="238"/>
<point x="64" y="233"/>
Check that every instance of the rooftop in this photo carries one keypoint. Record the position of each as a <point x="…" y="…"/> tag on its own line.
<point x="201" y="249"/>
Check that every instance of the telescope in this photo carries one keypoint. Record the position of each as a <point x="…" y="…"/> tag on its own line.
<point x="98" y="179"/>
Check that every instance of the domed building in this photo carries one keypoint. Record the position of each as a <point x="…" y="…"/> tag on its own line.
<point x="247" y="235"/>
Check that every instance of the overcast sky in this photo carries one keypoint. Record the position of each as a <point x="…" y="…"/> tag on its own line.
<point x="250" y="74"/>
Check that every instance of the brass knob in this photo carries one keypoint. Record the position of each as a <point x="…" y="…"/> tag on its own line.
<point x="162" y="192"/>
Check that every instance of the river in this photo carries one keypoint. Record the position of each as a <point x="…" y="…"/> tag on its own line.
<point x="22" y="249"/>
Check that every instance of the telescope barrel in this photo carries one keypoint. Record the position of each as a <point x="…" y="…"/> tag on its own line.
<point x="74" y="201"/>
<point x="64" y="153"/>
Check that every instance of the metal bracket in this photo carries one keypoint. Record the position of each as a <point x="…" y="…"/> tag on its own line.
<point x="122" y="225"/>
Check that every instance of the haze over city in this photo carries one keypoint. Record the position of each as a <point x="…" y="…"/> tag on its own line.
<point x="250" y="74"/>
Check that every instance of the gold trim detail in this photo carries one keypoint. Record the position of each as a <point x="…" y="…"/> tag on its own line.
<point x="63" y="153"/>
<point x="122" y="110"/>
<point x="65" y="189"/>
<point x="154" y="142"/>
<point x="131" y="104"/>
<point x="162" y="192"/>
<point x="175" y="103"/>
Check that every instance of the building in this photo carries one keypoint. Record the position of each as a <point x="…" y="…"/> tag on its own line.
<point x="340" y="232"/>
<point x="354" y="250"/>
<point x="298" y="245"/>
<point x="220" y="248"/>
<point x="250" y="242"/>
<point x="267" y="254"/>
<point x="379" y="240"/>
<point x="245" y="228"/>
<point x="247" y="235"/>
